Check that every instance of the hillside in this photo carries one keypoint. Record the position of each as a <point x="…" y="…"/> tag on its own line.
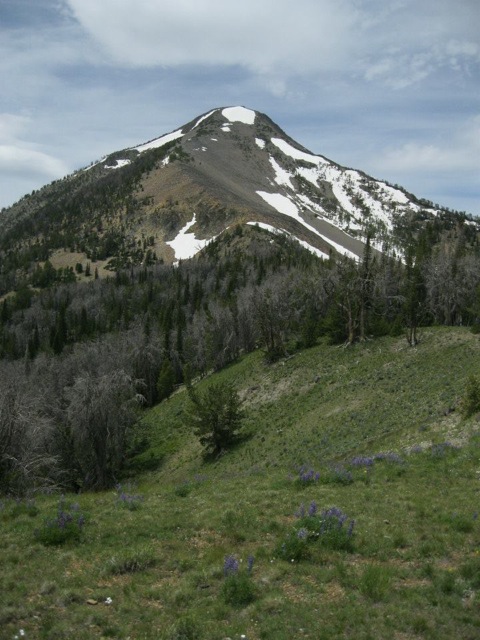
<point x="379" y="422"/>
<point x="164" y="200"/>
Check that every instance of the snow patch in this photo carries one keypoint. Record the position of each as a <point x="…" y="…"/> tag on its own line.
<point x="185" y="245"/>
<point x="239" y="114"/>
<point x="296" y="154"/>
<point x="282" y="176"/>
<point x="204" y="118"/>
<point x="283" y="205"/>
<point x="274" y="230"/>
<point x="260" y="143"/>
<point x="226" y="128"/>
<point x="119" y="163"/>
<point x="159" y="142"/>
<point x="214" y="139"/>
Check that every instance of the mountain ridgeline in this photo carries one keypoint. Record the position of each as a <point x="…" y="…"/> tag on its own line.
<point x="170" y="260"/>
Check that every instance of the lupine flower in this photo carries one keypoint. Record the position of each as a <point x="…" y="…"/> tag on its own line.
<point x="312" y="509"/>
<point x="391" y="456"/>
<point x="230" y="566"/>
<point x="250" y="561"/>
<point x="301" y="512"/>
<point x="362" y="461"/>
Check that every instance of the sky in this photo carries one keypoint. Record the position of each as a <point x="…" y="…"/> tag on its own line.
<point x="390" y="87"/>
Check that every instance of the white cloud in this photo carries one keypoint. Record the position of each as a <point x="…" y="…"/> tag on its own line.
<point x="460" y="152"/>
<point x="398" y="44"/>
<point x="21" y="160"/>
<point x="12" y="125"/>
<point x="262" y="36"/>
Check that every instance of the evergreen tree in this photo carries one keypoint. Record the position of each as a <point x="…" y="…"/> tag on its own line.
<point x="216" y="416"/>
<point x="166" y="380"/>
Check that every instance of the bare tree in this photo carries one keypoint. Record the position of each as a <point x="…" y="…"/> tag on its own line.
<point x="101" y="413"/>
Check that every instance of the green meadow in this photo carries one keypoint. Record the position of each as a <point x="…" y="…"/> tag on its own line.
<point x="188" y="549"/>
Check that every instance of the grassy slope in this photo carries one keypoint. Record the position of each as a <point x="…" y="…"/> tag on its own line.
<point x="415" y="568"/>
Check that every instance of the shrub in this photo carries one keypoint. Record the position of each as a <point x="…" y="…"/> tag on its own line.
<point x="128" y="500"/>
<point x="294" y="548"/>
<point x="183" y="490"/>
<point x="185" y="629"/>
<point x="462" y="523"/>
<point x="23" y="507"/>
<point x="131" y="561"/>
<point x="307" y="476"/>
<point x="238" y="588"/>
<point x="375" y="582"/>
<point x="331" y="528"/>
<point x="67" y="525"/>
<point x="470" y="403"/>
<point x="337" y="474"/>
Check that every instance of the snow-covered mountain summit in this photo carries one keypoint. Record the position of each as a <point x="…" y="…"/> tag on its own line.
<point x="231" y="165"/>
<point x="250" y="164"/>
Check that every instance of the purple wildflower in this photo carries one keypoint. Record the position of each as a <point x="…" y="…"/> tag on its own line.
<point x="230" y="566"/>
<point x="362" y="461"/>
<point x="390" y="456"/>
<point x="301" y="512"/>
<point x="302" y="534"/>
<point x="312" y="509"/>
<point x="250" y="561"/>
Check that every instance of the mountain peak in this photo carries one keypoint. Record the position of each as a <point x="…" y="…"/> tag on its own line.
<point x="231" y="165"/>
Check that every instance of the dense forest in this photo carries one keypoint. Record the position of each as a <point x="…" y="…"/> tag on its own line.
<point x="78" y="361"/>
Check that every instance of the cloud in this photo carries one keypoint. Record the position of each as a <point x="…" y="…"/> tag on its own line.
<point x="399" y="44"/>
<point x="260" y="36"/>
<point x="12" y="125"/>
<point x="18" y="160"/>
<point x="21" y="161"/>
<point x="458" y="153"/>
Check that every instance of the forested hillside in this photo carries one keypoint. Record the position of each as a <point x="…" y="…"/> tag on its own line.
<point x="80" y="360"/>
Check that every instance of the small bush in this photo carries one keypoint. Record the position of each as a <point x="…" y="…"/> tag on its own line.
<point x="462" y="523"/>
<point x="338" y="475"/>
<point x="441" y="449"/>
<point x="131" y="562"/>
<point x="238" y="589"/>
<point x="183" y="490"/>
<point x="447" y="582"/>
<point x="330" y="528"/>
<point x="23" y="507"/>
<point x="470" y="403"/>
<point x="184" y="629"/>
<point x="294" y="548"/>
<point x="307" y="476"/>
<point x="375" y="582"/>
<point x="470" y="571"/>
<point x="126" y="500"/>
<point x="66" y="526"/>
